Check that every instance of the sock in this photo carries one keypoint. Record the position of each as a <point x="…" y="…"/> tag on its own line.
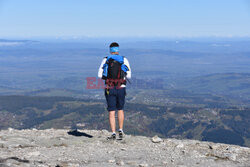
<point x="113" y="133"/>
<point x="120" y="130"/>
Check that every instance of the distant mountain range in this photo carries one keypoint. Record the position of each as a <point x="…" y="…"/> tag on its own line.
<point x="7" y="42"/>
<point x="232" y="84"/>
<point x="224" y="124"/>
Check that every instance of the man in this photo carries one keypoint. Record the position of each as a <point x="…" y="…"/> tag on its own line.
<point x="114" y="69"/>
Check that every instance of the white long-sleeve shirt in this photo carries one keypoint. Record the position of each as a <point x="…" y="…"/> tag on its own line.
<point x="100" y="71"/>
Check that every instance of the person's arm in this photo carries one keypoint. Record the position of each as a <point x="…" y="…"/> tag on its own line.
<point x="129" y="69"/>
<point x="100" y="71"/>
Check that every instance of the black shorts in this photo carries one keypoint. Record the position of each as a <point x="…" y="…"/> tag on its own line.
<point x="115" y="98"/>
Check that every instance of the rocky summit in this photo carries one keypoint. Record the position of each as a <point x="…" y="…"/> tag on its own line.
<point x="58" y="148"/>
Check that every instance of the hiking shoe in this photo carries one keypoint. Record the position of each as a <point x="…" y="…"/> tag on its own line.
<point x="121" y="134"/>
<point x="112" y="137"/>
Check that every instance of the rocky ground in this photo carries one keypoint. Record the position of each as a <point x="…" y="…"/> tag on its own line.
<point x="59" y="149"/>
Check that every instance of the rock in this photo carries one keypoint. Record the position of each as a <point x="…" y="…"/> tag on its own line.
<point x="36" y="153"/>
<point x="120" y="163"/>
<point x="143" y="165"/>
<point x="131" y="163"/>
<point x="233" y="157"/>
<point x="111" y="161"/>
<point x="10" y="129"/>
<point x="180" y="145"/>
<point x="56" y="147"/>
<point x="104" y="131"/>
<point x="156" y="139"/>
<point x="165" y="162"/>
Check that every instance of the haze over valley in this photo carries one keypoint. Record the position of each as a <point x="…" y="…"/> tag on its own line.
<point x="190" y="88"/>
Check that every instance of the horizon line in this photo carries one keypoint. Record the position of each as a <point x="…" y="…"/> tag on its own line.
<point x="82" y="37"/>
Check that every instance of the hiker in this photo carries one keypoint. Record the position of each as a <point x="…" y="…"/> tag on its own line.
<point x="115" y="70"/>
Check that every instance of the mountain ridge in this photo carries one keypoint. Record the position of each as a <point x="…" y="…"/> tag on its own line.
<point x="51" y="147"/>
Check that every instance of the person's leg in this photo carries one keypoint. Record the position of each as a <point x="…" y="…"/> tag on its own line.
<point x="111" y="102"/>
<point x="120" y="118"/>
<point x="112" y="120"/>
<point x="121" y="93"/>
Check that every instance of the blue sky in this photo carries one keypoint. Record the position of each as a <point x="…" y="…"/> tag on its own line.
<point x="127" y="18"/>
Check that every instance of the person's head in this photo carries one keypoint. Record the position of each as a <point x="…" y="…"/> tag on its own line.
<point x="114" y="48"/>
